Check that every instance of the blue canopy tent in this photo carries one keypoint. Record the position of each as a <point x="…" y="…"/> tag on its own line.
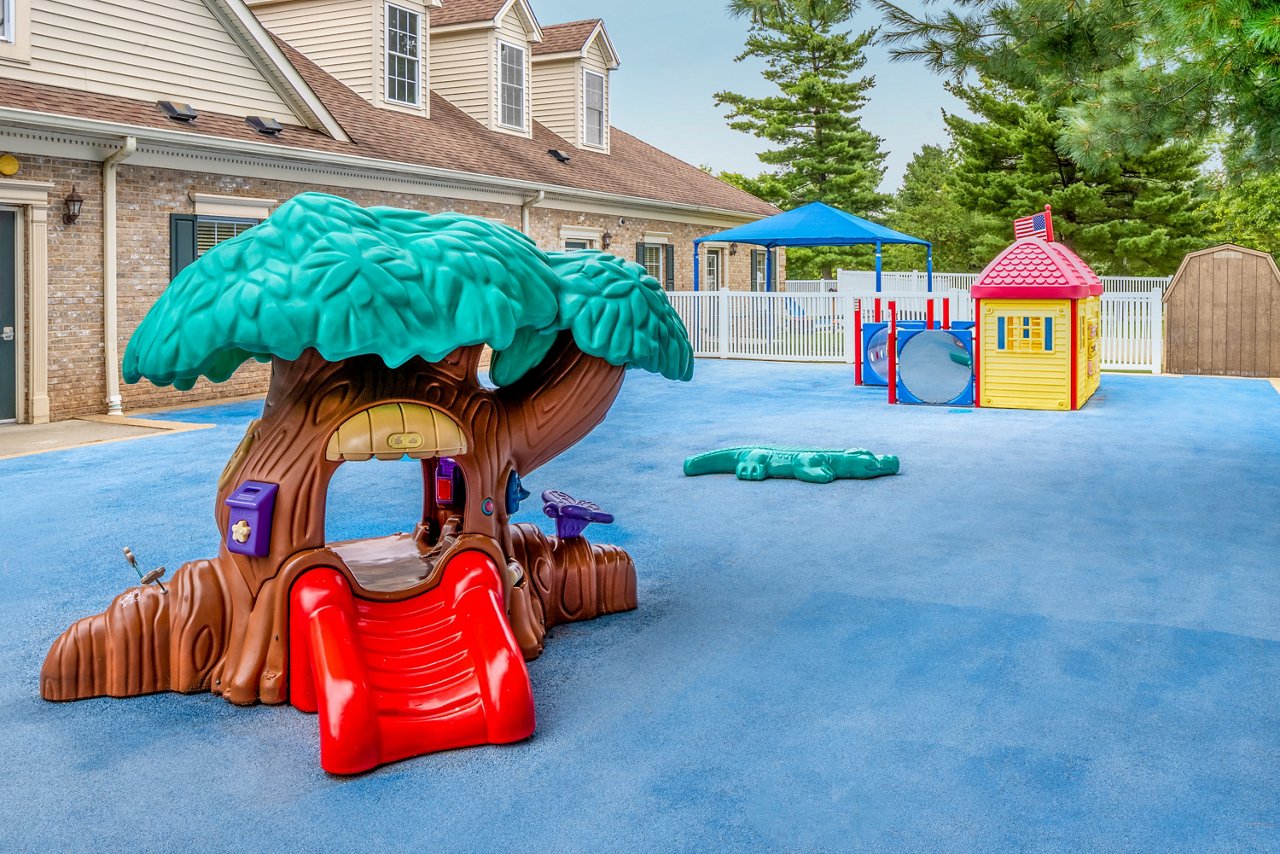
<point x="815" y="224"/>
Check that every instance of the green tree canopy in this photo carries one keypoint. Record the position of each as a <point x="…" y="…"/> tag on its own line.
<point x="324" y="273"/>
<point x="1135" y="215"/>
<point x="820" y="150"/>
<point x="927" y="204"/>
<point x="1124" y="75"/>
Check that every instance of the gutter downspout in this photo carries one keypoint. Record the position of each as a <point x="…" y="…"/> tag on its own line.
<point x="528" y="205"/>
<point x="110" y="344"/>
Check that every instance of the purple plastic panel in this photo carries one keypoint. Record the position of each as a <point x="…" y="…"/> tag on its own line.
<point x="446" y="481"/>
<point x="249" y="527"/>
<point x="572" y="516"/>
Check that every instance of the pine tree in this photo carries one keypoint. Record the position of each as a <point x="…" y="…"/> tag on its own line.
<point x="821" y="151"/>
<point x="1243" y="200"/>
<point x="1126" y="75"/>
<point x="1133" y="215"/>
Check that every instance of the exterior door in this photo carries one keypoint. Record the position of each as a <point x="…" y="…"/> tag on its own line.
<point x="714" y="263"/>
<point x="8" y="318"/>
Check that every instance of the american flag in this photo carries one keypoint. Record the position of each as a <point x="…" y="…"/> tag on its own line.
<point x="1036" y="225"/>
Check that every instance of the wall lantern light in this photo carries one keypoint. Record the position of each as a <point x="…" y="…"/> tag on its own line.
<point x="75" y="202"/>
<point x="733" y="249"/>
<point x="606" y="240"/>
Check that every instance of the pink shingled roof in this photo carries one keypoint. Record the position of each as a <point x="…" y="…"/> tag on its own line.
<point x="1034" y="269"/>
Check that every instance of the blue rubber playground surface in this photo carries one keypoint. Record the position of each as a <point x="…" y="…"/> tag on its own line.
<point x="1050" y="632"/>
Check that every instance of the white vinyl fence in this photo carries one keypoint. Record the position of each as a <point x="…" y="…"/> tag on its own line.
<point x="817" y="326"/>
<point x="864" y="282"/>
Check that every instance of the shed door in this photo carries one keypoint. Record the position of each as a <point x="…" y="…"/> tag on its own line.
<point x="1222" y="316"/>
<point x="8" y="318"/>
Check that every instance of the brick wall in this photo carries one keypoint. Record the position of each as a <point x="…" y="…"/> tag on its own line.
<point x="147" y="196"/>
<point x="145" y="199"/>
<point x="545" y="223"/>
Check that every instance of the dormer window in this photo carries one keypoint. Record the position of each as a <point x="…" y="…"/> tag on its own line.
<point x="6" y="21"/>
<point x="404" y="56"/>
<point x="511" y="83"/>
<point x="593" y="106"/>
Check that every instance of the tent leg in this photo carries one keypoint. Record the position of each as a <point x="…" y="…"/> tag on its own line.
<point x="878" y="266"/>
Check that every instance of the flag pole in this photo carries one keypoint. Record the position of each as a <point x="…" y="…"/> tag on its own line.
<point x="1048" y="222"/>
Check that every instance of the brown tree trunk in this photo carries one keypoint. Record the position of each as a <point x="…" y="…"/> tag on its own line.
<point x="220" y="627"/>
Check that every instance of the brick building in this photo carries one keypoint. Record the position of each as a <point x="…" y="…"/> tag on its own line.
<point x="224" y="110"/>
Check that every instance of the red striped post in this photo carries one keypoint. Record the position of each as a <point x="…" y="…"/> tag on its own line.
<point x="928" y="314"/>
<point x="857" y="342"/>
<point x="877" y="309"/>
<point x="893" y="352"/>
<point x="946" y="313"/>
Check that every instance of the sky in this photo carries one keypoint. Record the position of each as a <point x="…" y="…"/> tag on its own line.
<point x="677" y="53"/>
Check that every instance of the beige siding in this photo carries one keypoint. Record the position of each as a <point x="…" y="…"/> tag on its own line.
<point x="595" y="60"/>
<point x="179" y="52"/>
<point x="338" y="35"/>
<point x="511" y="29"/>
<point x="461" y="71"/>
<point x="556" y="97"/>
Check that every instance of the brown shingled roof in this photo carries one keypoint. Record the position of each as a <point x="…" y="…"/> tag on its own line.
<point x="450" y="139"/>
<point x="465" y="12"/>
<point x="453" y="140"/>
<point x="562" y="38"/>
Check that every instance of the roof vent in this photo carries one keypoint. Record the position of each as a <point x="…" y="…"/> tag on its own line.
<point x="178" y="112"/>
<point x="269" y="126"/>
<point x="558" y="155"/>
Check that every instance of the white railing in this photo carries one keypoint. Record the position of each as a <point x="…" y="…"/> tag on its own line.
<point x="864" y="281"/>
<point x="819" y="327"/>
<point x="1132" y="331"/>
<point x="809" y="286"/>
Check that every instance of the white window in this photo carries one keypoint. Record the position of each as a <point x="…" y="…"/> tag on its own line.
<point x="653" y="260"/>
<point x="593" y="107"/>
<point x="404" y="56"/>
<point x="574" y="244"/>
<point x="6" y="21"/>
<point x="511" y="86"/>
<point x="210" y="231"/>
<point x="715" y="269"/>
<point x="759" y="260"/>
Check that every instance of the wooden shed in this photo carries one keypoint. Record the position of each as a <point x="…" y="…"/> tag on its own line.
<point x="1222" y="314"/>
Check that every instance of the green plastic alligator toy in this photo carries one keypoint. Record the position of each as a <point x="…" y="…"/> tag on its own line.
<point x="810" y="466"/>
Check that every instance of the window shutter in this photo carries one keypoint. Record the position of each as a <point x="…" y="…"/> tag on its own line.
<point x="182" y="242"/>
<point x="757" y="266"/>
<point x="640" y="253"/>
<point x="671" y="267"/>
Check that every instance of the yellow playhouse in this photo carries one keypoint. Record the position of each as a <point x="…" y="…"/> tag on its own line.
<point x="1039" y="318"/>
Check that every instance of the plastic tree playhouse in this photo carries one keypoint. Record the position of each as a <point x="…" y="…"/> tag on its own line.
<point x="1039" y="311"/>
<point x="374" y="321"/>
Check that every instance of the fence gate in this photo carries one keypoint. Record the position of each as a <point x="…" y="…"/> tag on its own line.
<point x="1223" y="314"/>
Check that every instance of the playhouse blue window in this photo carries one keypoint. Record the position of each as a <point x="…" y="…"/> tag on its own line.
<point x="1024" y="334"/>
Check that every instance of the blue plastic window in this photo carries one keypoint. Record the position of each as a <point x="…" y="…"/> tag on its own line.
<point x="1024" y="334"/>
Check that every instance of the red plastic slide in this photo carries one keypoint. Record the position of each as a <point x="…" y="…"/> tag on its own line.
<point x="398" y="679"/>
